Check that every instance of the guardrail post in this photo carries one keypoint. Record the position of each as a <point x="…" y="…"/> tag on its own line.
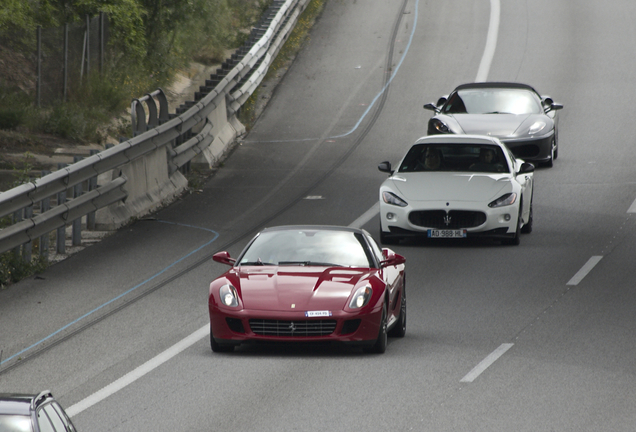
<point x="17" y="217"/>
<point x="164" y="114"/>
<point x="92" y="185"/>
<point x="60" y="236"/>
<point x="61" y="231"/>
<point x="77" y="223"/>
<point x="45" y="205"/>
<point x="27" y="248"/>
<point x="138" y="117"/>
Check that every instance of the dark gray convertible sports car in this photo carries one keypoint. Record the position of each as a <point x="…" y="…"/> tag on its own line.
<point x="515" y="113"/>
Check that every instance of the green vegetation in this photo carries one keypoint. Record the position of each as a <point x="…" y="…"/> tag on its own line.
<point x="13" y="267"/>
<point x="150" y="40"/>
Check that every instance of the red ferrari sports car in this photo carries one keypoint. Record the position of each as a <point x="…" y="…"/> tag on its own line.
<point x="309" y="284"/>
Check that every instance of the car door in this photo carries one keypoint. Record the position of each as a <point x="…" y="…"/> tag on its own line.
<point x="526" y="181"/>
<point x="391" y="275"/>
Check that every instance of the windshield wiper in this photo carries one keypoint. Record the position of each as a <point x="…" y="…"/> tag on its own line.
<point x="309" y="263"/>
<point x="256" y="263"/>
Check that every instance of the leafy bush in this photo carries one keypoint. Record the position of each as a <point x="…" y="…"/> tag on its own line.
<point x="13" y="106"/>
<point x="13" y="268"/>
<point x="10" y="119"/>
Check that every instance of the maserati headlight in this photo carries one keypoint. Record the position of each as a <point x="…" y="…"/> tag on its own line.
<point x="439" y="126"/>
<point x="228" y="294"/>
<point x="504" y="200"/>
<point x="361" y="297"/>
<point x="536" y="127"/>
<point x="391" y="198"/>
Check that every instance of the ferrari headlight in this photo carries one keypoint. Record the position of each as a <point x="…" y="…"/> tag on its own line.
<point x="361" y="297"/>
<point x="504" y="200"/>
<point x="536" y="127"/>
<point x="391" y="198"/>
<point x="228" y="294"/>
<point x="439" y="126"/>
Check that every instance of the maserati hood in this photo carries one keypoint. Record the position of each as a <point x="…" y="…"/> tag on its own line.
<point x="297" y="288"/>
<point x="498" y="125"/>
<point x="450" y="186"/>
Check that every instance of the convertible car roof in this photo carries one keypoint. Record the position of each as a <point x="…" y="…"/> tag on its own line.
<point x="494" y="84"/>
<point x="313" y="227"/>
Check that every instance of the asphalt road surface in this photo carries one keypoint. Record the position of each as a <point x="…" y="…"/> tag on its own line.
<point x="538" y="337"/>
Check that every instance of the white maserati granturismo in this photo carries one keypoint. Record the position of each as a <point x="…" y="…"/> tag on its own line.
<point x="457" y="186"/>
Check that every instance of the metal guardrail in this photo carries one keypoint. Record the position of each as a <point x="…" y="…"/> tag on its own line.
<point x="230" y="87"/>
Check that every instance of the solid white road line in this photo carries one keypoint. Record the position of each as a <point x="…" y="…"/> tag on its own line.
<point x="137" y="373"/>
<point x="589" y="265"/>
<point x="632" y="208"/>
<point x="485" y="363"/>
<point x="366" y="216"/>
<point x="491" y="42"/>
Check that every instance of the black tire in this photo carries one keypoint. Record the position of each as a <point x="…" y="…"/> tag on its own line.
<point x="379" y="347"/>
<point x="527" y="227"/>
<point x="219" y="348"/>
<point x="399" y="329"/>
<point x="516" y="240"/>
<point x="553" y="154"/>
<point x="387" y="240"/>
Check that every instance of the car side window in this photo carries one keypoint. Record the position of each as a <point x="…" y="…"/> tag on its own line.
<point x="375" y="248"/>
<point x="58" y="423"/>
<point x="43" y="421"/>
<point x="67" y="422"/>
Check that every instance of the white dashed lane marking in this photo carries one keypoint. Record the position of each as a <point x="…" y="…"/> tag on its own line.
<point x="589" y="265"/>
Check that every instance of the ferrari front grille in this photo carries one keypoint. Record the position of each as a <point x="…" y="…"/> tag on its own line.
<point x="311" y="328"/>
<point x="454" y="219"/>
<point x="524" y="149"/>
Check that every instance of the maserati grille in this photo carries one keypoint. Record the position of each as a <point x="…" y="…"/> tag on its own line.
<point x="454" y="219"/>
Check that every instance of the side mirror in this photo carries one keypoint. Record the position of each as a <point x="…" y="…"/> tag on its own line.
<point x="431" y="106"/>
<point x="391" y="258"/>
<point x="385" y="167"/>
<point x="555" y="106"/>
<point x="550" y="105"/>
<point x="223" y="258"/>
<point x="526" y="167"/>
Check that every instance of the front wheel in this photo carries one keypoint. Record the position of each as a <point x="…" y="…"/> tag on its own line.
<point x="516" y="239"/>
<point x="554" y="153"/>
<point x="379" y="347"/>
<point x="219" y="348"/>
<point x="527" y="227"/>
<point x="387" y="240"/>
<point x="399" y="330"/>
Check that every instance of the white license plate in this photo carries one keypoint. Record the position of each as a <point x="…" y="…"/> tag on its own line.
<point x="312" y="314"/>
<point x="459" y="233"/>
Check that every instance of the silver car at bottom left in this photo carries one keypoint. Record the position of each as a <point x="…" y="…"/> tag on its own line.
<point x="33" y="413"/>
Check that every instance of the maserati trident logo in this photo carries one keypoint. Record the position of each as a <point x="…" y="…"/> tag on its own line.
<point x="447" y="220"/>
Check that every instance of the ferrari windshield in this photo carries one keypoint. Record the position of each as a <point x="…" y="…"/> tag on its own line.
<point x="307" y="247"/>
<point x="493" y="101"/>
<point x="475" y="158"/>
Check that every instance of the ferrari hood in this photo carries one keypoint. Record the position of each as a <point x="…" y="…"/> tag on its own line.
<point x="498" y="125"/>
<point x="297" y="288"/>
<point x="450" y="186"/>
